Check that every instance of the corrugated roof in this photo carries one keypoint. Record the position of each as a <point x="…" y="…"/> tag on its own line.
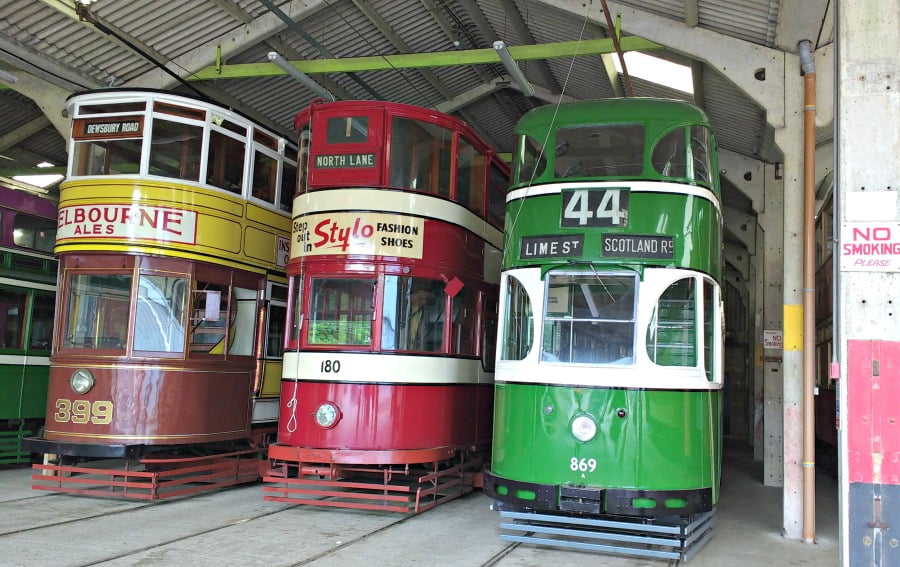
<point x="56" y="46"/>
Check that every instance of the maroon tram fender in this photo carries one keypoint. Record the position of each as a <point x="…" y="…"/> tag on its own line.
<point x="385" y="417"/>
<point x="151" y="404"/>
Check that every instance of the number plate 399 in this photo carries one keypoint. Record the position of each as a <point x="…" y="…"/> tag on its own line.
<point x="83" y="411"/>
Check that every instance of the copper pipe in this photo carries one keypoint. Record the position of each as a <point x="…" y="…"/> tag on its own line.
<point x="809" y="293"/>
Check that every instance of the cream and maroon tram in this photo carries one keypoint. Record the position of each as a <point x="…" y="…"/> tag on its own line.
<point x="387" y="396"/>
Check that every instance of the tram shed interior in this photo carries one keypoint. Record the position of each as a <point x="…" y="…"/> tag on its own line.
<point x="743" y="60"/>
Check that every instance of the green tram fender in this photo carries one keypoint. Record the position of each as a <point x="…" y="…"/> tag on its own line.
<point x="660" y="449"/>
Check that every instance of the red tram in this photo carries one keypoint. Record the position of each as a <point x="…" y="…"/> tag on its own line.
<point x="172" y="240"/>
<point x="387" y="391"/>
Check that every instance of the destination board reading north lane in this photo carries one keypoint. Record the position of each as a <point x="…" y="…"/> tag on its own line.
<point x="335" y="161"/>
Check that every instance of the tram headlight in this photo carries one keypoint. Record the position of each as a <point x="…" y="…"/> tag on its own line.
<point x="584" y="428"/>
<point x="81" y="381"/>
<point x="327" y="415"/>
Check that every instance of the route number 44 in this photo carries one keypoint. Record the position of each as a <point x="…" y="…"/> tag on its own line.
<point x="595" y="207"/>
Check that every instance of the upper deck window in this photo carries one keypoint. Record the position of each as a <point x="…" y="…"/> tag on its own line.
<point x="420" y="156"/>
<point x="599" y="151"/>
<point x="112" y="107"/>
<point x="470" y="177"/>
<point x="303" y="161"/>
<point x="288" y="186"/>
<point x="265" y="175"/>
<point x="673" y="157"/>
<point x="348" y="130"/>
<point x="225" y="166"/>
<point x="175" y="149"/>
<point x="701" y="165"/>
<point x="532" y="162"/>
<point x="109" y="146"/>
<point x="497" y="185"/>
<point x="669" y="156"/>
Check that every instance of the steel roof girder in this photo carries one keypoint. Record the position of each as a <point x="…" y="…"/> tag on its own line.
<point x="420" y="60"/>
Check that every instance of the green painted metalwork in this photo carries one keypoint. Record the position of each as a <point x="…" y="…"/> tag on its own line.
<point x="640" y="172"/>
<point x="422" y="60"/>
<point x="667" y="440"/>
<point x="694" y="224"/>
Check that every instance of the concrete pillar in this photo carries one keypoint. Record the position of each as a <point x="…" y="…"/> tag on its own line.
<point x="790" y="141"/>
<point x="771" y="221"/>
<point x="867" y="331"/>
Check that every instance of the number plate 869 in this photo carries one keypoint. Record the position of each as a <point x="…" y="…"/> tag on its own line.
<point x="583" y="465"/>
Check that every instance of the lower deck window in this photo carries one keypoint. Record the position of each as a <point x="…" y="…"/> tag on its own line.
<point x="590" y="319"/>
<point x="159" y="318"/>
<point x="97" y="311"/>
<point x="340" y="311"/>
<point x="672" y="334"/>
<point x="413" y="315"/>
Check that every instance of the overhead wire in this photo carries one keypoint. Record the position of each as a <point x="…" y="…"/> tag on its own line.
<point x="556" y="107"/>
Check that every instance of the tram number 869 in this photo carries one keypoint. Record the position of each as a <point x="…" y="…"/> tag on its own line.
<point x="83" y="411"/>
<point x="583" y="465"/>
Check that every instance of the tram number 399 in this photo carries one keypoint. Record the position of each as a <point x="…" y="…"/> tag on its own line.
<point x="330" y="366"/>
<point x="83" y="411"/>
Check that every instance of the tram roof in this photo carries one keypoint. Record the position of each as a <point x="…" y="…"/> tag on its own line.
<point x="662" y="112"/>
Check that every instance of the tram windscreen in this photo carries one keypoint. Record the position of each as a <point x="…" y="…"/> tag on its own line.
<point x="340" y="311"/>
<point x="160" y="316"/>
<point x="97" y="311"/>
<point x="412" y="316"/>
<point x="590" y="319"/>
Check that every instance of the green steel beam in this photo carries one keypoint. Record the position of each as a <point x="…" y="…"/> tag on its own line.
<point x="420" y="60"/>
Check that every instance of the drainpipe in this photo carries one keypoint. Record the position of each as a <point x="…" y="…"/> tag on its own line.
<point x="809" y="292"/>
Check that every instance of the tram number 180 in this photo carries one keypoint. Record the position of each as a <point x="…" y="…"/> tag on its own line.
<point x="330" y="366"/>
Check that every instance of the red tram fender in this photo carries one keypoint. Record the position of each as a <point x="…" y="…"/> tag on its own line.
<point x="387" y="422"/>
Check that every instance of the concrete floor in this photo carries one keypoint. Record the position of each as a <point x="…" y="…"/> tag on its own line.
<point x="236" y="527"/>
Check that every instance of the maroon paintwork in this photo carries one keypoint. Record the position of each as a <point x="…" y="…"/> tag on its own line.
<point x="170" y="400"/>
<point x="385" y="417"/>
<point x="157" y="406"/>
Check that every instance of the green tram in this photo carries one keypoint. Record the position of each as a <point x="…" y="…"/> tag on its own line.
<point x="608" y="394"/>
<point x="27" y="295"/>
